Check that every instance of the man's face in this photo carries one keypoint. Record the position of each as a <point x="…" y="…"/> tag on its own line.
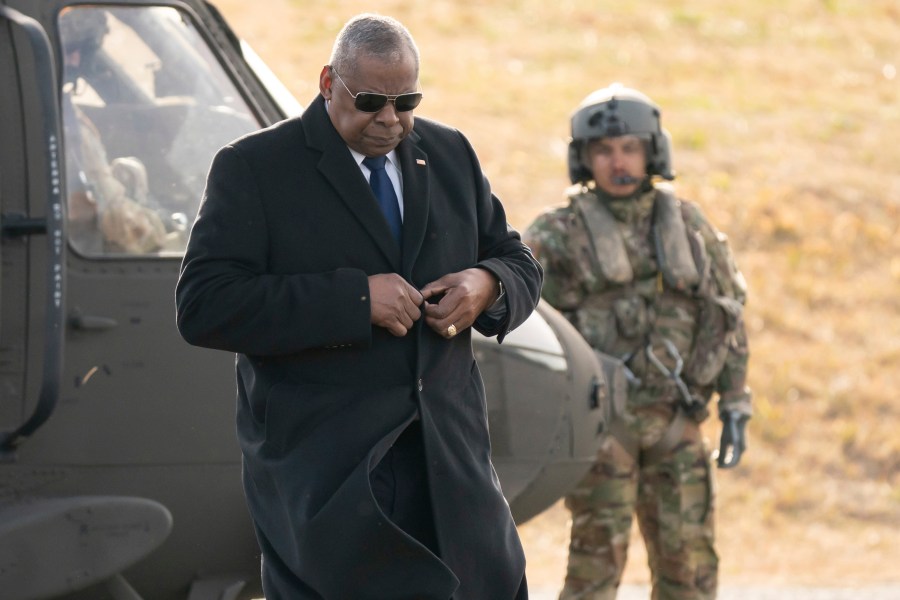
<point x="372" y="134"/>
<point x="619" y="164"/>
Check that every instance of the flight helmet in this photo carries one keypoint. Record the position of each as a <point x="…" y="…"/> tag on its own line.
<point x="82" y="28"/>
<point x="613" y="111"/>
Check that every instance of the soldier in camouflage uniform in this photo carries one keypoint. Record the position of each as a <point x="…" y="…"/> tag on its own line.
<point x="653" y="287"/>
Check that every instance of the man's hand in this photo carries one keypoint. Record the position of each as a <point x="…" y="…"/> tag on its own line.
<point x="395" y="303"/>
<point x="463" y="296"/>
<point x="733" y="442"/>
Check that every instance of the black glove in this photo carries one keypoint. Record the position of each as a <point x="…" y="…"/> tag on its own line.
<point x="733" y="442"/>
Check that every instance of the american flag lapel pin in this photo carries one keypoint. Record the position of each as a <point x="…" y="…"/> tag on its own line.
<point x="420" y="161"/>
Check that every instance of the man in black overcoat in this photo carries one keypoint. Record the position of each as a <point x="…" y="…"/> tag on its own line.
<point x="361" y="412"/>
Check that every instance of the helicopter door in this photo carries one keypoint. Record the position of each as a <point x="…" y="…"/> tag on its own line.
<point x="144" y="106"/>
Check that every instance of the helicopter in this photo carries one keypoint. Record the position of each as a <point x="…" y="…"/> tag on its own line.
<point x="120" y="474"/>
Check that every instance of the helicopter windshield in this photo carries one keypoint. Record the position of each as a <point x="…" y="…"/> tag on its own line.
<point x="146" y="104"/>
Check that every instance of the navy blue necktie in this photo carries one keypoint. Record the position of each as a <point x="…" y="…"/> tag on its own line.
<point x="384" y="192"/>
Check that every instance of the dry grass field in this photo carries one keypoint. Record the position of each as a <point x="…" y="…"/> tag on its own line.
<point x="785" y="118"/>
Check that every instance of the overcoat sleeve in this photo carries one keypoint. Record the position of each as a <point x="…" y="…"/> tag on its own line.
<point x="227" y="298"/>
<point x="502" y="252"/>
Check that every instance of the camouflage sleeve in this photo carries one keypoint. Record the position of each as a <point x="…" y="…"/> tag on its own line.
<point x="734" y="394"/>
<point x="549" y="239"/>
<point x="126" y="223"/>
<point x="731" y="384"/>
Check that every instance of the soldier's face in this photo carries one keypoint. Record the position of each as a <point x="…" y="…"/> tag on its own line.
<point x="619" y="164"/>
<point x="372" y="134"/>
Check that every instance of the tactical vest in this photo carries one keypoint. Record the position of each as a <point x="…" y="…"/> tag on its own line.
<point x="674" y="319"/>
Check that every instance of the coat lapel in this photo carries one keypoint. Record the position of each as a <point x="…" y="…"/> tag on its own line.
<point x="415" y="168"/>
<point x="340" y="170"/>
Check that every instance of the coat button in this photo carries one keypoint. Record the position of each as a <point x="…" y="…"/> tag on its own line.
<point x="419" y="385"/>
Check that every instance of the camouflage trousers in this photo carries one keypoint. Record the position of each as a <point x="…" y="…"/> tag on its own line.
<point x="671" y="494"/>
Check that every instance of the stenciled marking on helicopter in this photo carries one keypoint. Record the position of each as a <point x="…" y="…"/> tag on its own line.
<point x="56" y="209"/>
<point x="90" y="523"/>
<point x="19" y="481"/>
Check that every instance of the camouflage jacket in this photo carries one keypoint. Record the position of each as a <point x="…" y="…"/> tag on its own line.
<point x="108" y="207"/>
<point x="649" y="274"/>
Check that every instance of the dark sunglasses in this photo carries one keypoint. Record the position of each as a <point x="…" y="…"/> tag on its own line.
<point x="370" y="102"/>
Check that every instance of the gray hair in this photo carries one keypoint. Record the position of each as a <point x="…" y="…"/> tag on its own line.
<point x="381" y="37"/>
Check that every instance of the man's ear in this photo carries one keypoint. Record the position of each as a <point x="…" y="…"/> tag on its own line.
<point x="325" y="82"/>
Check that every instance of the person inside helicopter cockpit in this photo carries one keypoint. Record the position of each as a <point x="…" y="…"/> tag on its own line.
<point x="108" y="210"/>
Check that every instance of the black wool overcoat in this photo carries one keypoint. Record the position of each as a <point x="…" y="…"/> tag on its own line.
<point x="276" y="272"/>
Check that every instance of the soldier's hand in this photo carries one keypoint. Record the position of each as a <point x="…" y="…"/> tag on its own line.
<point x="733" y="442"/>
<point x="395" y="303"/>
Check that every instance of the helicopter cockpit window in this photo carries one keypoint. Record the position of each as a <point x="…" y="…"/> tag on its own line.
<point x="145" y="107"/>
